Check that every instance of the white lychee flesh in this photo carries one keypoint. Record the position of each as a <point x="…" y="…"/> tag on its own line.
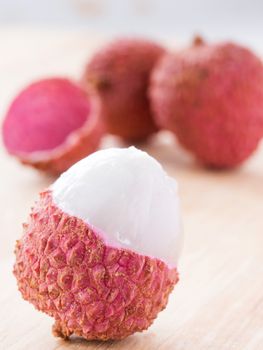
<point x="126" y="196"/>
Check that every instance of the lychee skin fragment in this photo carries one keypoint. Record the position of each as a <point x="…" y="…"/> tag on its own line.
<point x="52" y="124"/>
<point x="78" y="145"/>
<point x="119" y="74"/>
<point x="211" y="97"/>
<point x="92" y="290"/>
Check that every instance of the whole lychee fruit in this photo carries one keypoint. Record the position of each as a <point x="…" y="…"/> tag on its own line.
<point x="211" y="97"/>
<point x="99" y="252"/>
<point x="52" y="124"/>
<point x="119" y="74"/>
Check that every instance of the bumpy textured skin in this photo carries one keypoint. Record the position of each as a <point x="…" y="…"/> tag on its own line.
<point x="52" y="124"/>
<point x="65" y="269"/>
<point x="119" y="74"/>
<point x="211" y="97"/>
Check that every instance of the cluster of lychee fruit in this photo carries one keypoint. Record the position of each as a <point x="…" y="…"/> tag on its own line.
<point x="209" y="95"/>
<point x="99" y="252"/>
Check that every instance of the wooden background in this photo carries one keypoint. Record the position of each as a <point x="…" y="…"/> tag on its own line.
<point x="218" y="303"/>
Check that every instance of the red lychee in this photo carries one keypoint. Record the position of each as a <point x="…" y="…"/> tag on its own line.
<point x="99" y="252"/>
<point x="119" y="74"/>
<point x="211" y="97"/>
<point x="52" y="124"/>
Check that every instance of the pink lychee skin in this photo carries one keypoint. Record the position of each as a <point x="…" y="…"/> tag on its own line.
<point x="78" y="145"/>
<point x="65" y="269"/>
<point x="119" y="73"/>
<point x="211" y="97"/>
<point x="55" y="117"/>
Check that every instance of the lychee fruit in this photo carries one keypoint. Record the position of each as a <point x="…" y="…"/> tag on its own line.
<point x="99" y="252"/>
<point x="211" y="97"/>
<point x="52" y="124"/>
<point x="119" y="74"/>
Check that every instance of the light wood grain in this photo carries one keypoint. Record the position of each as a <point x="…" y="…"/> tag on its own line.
<point x="218" y="303"/>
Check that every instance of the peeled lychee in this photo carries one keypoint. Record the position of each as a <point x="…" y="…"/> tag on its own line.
<point x="99" y="252"/>
<point x="119" y="74"/>
<point x="211" y="97"/>
<point x="52" y="124"/>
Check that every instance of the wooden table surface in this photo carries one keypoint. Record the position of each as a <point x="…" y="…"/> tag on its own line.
<point x="218" y="303"/>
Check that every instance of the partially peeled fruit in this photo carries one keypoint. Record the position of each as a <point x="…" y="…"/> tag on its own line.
<point x="100" y="250"/>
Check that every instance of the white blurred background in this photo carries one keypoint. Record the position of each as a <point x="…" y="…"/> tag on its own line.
<point x="178" y="20"/>
<point x="56" y="37"/>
